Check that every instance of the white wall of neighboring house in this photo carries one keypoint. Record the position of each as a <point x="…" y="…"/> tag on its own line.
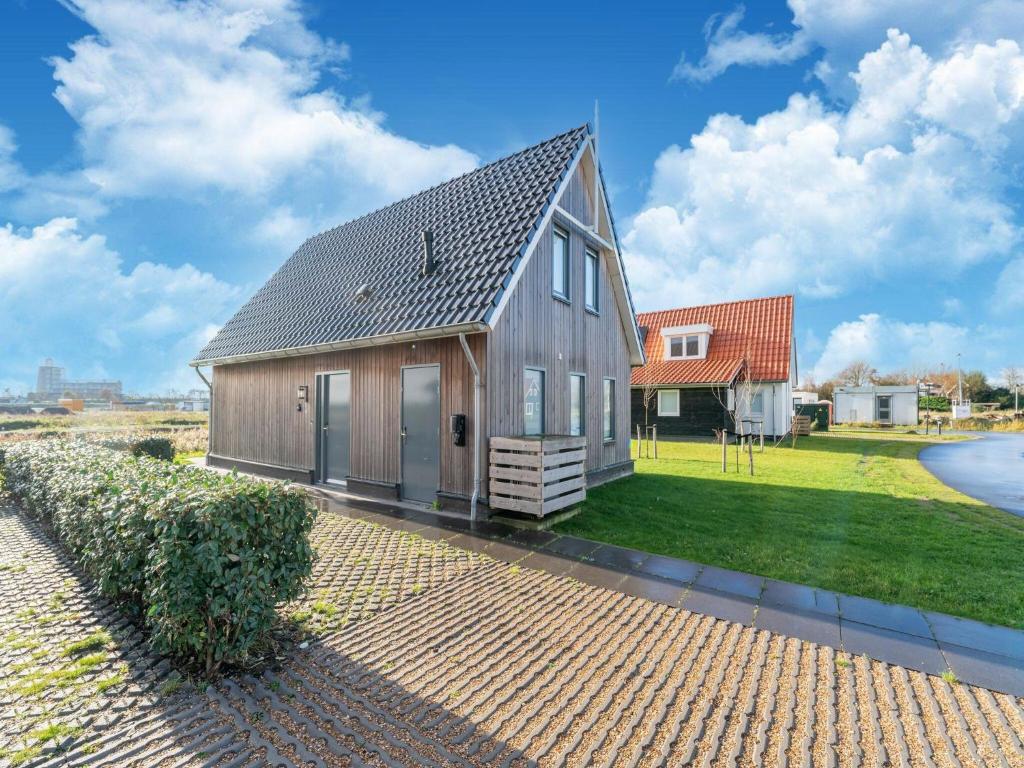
<point x="777" y="406"/>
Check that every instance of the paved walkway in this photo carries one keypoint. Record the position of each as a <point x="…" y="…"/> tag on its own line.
<point x="426" y="651"/>
<point x="977" y="653"/>
<point x="990" y="469"/>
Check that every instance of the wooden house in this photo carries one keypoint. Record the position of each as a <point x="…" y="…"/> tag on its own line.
<point x="730" y="365"/>
<point x="387" y="352"/>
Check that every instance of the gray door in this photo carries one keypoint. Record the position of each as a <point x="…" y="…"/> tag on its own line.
<point x="335" y="426"/>
<point x="421" y="432"/>
<point x="884" y="409"/>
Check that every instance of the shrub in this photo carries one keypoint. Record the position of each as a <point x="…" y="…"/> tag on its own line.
<point x="157" y="447"/>
<point x="12" y="425"/>
<point x="138" y="444"/>
<point x="933" y="403"/>
<point x="203" y="558"/>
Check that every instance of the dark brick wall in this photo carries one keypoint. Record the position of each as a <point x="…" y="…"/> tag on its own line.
<point x="700" y="414"/>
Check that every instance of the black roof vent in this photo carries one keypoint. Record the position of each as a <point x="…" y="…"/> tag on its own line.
<point x="428" y="252"/>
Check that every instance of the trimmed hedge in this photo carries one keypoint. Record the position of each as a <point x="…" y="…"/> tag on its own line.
<point x="140" y="445"/>
<point x="204" y="558"/>
<point x="157" y="447"/>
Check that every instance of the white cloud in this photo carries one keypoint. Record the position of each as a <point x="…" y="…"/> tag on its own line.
<point x="889" y="345"/>
<point x="67" y="295"/>
<point x="845" y="30"/>
<point x="978" y="91"/>
<point x="727" y="46"/>
<point x="10" y="172"/>
<point x="1009" y="295"/>
<point x="173" y="96"/>
<point x="821" y="201"/>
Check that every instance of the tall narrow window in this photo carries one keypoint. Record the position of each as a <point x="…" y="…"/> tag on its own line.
<point x="609" y="409"/>
<point x="533" y="401"/>
<point x="577" y="404"/>
<point x="692" y="346"/>
<point x="591" y="281"/>
<point x="560" y="265"/>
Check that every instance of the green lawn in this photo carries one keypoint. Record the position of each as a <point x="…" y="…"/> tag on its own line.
<point x="855" y="515"/>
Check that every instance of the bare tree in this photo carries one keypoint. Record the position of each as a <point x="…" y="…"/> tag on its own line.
<point x="1013" y="378"/>
<point x="857" y="374"/>
<point x="649" y="392"/>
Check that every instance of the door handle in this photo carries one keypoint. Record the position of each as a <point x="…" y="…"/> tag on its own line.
<point x="405" y="434"/>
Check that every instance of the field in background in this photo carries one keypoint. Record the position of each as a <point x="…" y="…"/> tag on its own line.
<point x="857" y="514"/>
<point x="187" y="431"/>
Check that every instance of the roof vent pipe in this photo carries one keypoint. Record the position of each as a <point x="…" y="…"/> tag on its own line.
<point x="428" y="252"/>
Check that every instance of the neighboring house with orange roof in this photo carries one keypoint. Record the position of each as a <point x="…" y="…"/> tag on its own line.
<point x="701" y="359"/>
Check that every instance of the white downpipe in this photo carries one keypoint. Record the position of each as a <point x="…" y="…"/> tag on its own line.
<point x="477" y="386"/>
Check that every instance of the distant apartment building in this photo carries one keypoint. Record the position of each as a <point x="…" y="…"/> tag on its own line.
<point x="51" y="383"/>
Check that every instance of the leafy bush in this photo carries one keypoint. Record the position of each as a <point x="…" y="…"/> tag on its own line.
<point x="138" y="444"/>
<point x="156" y="447"/>
<point x="11" y="425"/>
<point x="203" y="558"/>
<point x="934" y="403"/>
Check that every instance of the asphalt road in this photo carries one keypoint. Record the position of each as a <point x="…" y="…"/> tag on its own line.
<point x="990" y="469"/>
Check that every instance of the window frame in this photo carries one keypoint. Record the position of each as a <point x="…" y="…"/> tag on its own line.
<point x="582" y="377"/>
<point x="753" y="399"/>
<point x="664" y="412"/>
<point x="608" y="410"/>
<point x="695" y="338"/>
<point x="558" y="233"/>
<point x="543" y="399"/>
<point x="592" y="256"/>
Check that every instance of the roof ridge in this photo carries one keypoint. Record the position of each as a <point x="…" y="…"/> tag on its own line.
<point x="452" y="180"/>
<point x="717" y="304"/>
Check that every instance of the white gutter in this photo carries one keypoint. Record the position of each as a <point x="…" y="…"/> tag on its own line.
<point x="434" y="332"/>
<point x="209" y="426"/>
<point x="477" y="386"/>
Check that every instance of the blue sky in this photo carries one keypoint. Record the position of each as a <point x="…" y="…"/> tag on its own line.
<point x="159" y="159"/>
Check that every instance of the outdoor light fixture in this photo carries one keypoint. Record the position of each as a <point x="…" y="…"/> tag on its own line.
<point x="303" y="392"/>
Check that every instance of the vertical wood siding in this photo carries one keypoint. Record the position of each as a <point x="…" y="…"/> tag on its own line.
<point x="255" y="418"/>
<point x="538" y="330"/>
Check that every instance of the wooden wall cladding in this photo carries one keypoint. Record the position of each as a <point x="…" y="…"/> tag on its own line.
<point x="255" y="416"/>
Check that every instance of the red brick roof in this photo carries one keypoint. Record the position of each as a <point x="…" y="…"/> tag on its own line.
<point x="756" y="331"/>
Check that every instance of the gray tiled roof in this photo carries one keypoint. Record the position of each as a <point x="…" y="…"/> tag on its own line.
<point x="482" y="222"/>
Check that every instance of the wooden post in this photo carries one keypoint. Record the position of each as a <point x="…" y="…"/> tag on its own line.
<point x="724" y="452"/>
<point x="762" y="437"/>
<point x="750" y="452"/>
<point x="638" y="443"/>
<point x="655" y="441"/>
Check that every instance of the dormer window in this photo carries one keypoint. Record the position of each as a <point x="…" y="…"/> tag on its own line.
<point x="688" y="342"/>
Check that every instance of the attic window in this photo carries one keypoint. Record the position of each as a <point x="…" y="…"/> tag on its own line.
<point x="688" y="342"/>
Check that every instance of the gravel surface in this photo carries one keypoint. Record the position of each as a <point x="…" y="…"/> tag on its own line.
<point x="423" y="654"/>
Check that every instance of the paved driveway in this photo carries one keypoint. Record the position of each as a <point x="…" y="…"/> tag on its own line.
<point x="428" y="653"/>
<point x="990" y="468"/>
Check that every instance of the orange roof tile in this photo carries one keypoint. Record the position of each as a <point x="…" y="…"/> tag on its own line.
<point x="756" y="331"/>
